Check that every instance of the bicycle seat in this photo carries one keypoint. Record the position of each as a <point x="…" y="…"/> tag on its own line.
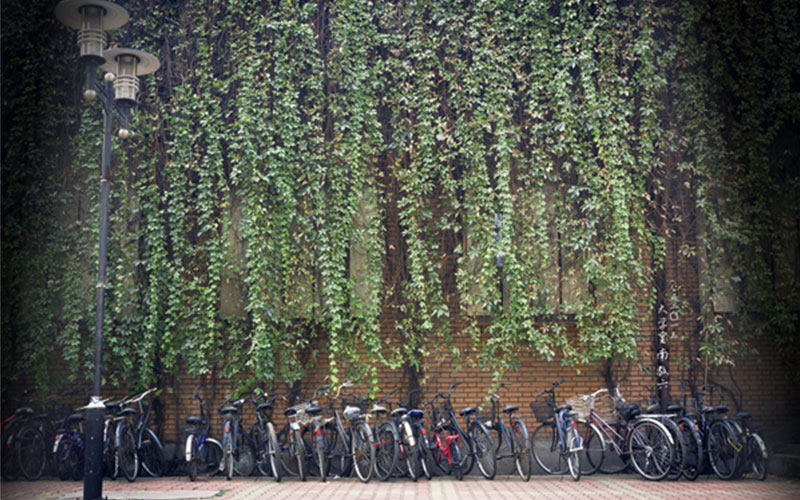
<point x="314" y="410"/>
<point x="674" y="409"/>
<point x="264" y="406"/>
<point x="721" y="409"/>
<point x="112" y="407"/>
<point x="399" y="412"/>
<point x="744" y="415"/>
<point x="378" y="409"/>
<point x="229" y="410"/>
<point x="194" y="421"/>
<point x="351" y="412"/>
<point x="510" y="409"/>
<point x="288" y="412"/>
<point x="653" y="408"/>
<point x="564" y="408"/>
<point x="416" y="414"/>
<point x="127" y="411"/>
<point x="469" y="410"/>
<point x="75" y="417"/>
<point x="629" y="411"/>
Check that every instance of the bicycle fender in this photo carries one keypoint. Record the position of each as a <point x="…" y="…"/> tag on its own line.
<point x="658" y="424"/>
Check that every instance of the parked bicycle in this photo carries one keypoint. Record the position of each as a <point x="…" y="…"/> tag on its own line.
<point x="446" y="450"/>
<point x="514" y="435"/>
<point x="265" y="438"/>
<point x="237" y="446"/>
<point x="556" y="442"/>
<point x="353" y="448"/>
<point x="202" y="453"/>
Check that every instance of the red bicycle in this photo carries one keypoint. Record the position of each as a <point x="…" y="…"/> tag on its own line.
<point x="445" y="447"/>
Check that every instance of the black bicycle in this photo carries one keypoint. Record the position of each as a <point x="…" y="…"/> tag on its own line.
<point x="237" y="446"/>
<point x="201" y="452"/>
<point x="265" y="438"/>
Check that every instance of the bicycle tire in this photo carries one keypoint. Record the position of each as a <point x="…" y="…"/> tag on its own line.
<point x="522" y="455"/>
<point x="260" y="445"/>
<point x="456" y="459"/>
<point x="694" y="448"/>
<point x="650" y="450"/>
<point x="546" y="448"/>
<point x="286" y="455"/>
<point x="244" y="457"/>
<point x="591" y="457"/>
<point x="440" y="459"/>
<point x="320" y="453"/>
<point x="152" y="454"/>
<point x="31" y="451"/>
<point x="722" y="453"/>
<point x="299" y="454"/>
<point x="468" y="454"/>
<point x="211" y="456"/>
<point x="679" y="450"/>
<point x="387" y="453"/>
<point x="192" y="456"/>
<point x="273" y="451"/>
<point x="483" y="447"/>
<point x="126" y="452"/>
<point x="573" y="455"/>
<point x="425" y="458"/>
<point x="363" y="451"/>
<point x="228" y="457"/>
<point x="759" y="458"/>
<point x="77" y="461"/>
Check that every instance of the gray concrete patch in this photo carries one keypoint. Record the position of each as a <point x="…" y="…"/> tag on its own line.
<point x="153" y="495"/>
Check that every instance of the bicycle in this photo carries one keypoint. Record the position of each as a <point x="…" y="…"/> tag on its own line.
<point x="265" y="438"/>
<point x="514" y="435"/>
<point x="721" y="439"/>
<point x="68" y="448"/>
<point x="148" y="447"/>
<point x="201" y="452"/>
<point x="387" y="440"/>
<point x="556" y="440"/>
<point x="668" y="417"/>
<point x="352" y="448"/>
<point x="754" y="454"/>
<point x="237" y="445"/>
<point x="632" y="439"/>
<point x="446" y="452"/>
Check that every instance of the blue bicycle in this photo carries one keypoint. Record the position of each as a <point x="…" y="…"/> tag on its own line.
<point x="202" y="453"/>
<point x="557" y="440"/>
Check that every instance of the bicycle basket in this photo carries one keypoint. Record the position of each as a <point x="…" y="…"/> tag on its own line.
<point x="582" y="405"/>
<point x="542" y="409"/>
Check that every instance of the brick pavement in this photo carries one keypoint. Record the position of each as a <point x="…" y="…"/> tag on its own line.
<point x="472" y="488"/>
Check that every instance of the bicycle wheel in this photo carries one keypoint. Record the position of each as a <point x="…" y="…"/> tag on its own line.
<point x="387" y="453"/>
<point x="286" y="454"/>
<point x="260" y="445"/>
<point x="468" y="453"/>
<point x="757" y="453"/>
<point x="439" y="457"/>
<point x="591" y="456"/>
<point x="152" y="454"/>
<point x="483" y="447"/>
<point x="244" y="457"/>
<point x="545" y="445"/>
<point x="299" y="452"/>
<point x="363" y="451"/>
<point x="76" y="461"/>
<point x="273" y="451"/>
<point x="650" y="450"/>
<point x="320" y="453"/>
<point x="62" y="455"/>
<point x="338" y="448"/>
<point x="456" y="458"/>
<point x="522" y="447"/>
<point x="426" y="455"/>
<point x="573" y="454"/>
<point x="31" y="452"/>
<point x="191" y="456"/>
<point x="228" y="457"/>
<point x="679" y="450"/>
<point x="722" y="449"/>
<point x="693" y="449"/>
<point x="126" y="453"/>
<point x="210" y="456"/>
<point x="412" y="461"/>
<point x="615" y="459"/>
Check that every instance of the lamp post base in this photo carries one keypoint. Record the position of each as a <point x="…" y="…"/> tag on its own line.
<point x="93" y="458"/>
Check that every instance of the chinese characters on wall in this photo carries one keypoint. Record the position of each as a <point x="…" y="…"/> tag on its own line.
<point x="667" y="327"/>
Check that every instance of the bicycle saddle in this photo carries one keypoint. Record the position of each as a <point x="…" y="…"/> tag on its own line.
<point x="378" y="409"/>
<point x="194" y="421"/>
<point x="469" y="410"/>
<point x="288" y="412"/>
<point x="510" y="409"/>
<point x="229" y="409"/>
<point x="75" y="417"/>
<point x="127" y="411"/>
<point x="351" y="412"/>
<point x="264" y="406"/>
<point x="743" y="415"/>
<point x="674" y="409"/>
<point x="629" y="411"/>
<point x="416" y="414"/>
<point x="314" y="410"/>
<point x="398" y="412"/>
<point x="563" y="408"/>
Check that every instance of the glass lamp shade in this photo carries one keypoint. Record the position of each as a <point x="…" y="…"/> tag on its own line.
<point x="127" y="65"/>
<point x="91" y="18"/>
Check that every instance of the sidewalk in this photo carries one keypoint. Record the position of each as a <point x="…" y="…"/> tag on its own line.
<point x="472" y="488"/>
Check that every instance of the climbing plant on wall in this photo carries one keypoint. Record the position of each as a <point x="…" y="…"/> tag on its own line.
<point x="519" y="147"/>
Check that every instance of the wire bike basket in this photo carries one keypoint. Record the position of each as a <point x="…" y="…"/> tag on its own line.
<point x="542" y="407"/>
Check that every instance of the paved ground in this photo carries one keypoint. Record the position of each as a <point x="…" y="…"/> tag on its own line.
<point x="472" y="488"/>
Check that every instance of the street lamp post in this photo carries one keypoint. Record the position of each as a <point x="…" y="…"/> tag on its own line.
<point x="117" y="93"/>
